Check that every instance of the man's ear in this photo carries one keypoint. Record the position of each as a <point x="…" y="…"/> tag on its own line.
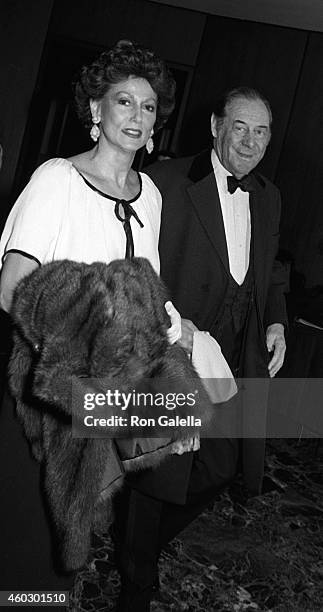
<point x="95" y="106"/>
<point x="214" y="124"/>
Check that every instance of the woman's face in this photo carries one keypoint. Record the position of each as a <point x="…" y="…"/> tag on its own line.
<point x="127" y="113"/>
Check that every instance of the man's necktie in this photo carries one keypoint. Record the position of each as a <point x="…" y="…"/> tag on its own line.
<point x="124" y="211"/>
<point x="245" y="183"/>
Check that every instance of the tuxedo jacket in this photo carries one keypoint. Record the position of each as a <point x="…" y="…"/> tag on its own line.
<point x="195" y="268"/>
<point x="194" y="255"/>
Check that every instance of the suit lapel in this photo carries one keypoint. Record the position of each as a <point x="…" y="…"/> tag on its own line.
<point x="204" y="196"/>
<point x="259" y="224"/>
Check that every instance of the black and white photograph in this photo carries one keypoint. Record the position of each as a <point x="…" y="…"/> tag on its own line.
<point x="161" y="305"/>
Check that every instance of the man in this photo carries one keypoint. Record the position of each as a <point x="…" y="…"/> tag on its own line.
<point x="219" y="237"/>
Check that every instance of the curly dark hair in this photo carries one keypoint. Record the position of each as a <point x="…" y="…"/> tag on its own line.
<point x="123" y="60"/>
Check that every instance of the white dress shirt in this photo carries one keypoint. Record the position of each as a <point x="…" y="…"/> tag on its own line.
<point x="236" y="219"/>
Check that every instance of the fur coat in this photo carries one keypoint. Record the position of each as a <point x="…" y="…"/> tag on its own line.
<point x="72" y="321"/>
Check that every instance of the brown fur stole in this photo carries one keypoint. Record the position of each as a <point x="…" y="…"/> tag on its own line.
<point x="75" y="320"/>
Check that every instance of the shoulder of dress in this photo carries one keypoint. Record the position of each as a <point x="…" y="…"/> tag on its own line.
<point x="148" y="183"/>
<point x="56" y="165"/>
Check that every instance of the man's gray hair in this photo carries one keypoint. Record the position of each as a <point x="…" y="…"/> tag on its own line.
<point x="249" y="93"/>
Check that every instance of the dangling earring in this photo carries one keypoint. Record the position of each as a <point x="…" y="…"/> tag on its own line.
<point x="95" y="130"/>
<point x="150" y="143"/>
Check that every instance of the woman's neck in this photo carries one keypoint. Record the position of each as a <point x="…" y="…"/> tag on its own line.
<point x="109" y="170"/>
<point x="111" y="165"/>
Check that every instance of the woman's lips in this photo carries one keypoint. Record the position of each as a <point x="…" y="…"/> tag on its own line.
<point x="132" y="133"/>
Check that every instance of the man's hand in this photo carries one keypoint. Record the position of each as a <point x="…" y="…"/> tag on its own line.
<point x="186" y="341"/>
<point x="275" y="341"/>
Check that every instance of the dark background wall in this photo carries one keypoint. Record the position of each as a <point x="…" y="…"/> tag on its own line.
<point x="23" y="29"/>
<point x="48" y="38"/>
<point x="287" y="66"/>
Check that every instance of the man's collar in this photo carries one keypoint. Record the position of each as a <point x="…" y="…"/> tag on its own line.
<point x="220" y="172"/>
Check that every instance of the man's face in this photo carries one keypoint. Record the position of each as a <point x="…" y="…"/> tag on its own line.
<point x="241" y="138"/>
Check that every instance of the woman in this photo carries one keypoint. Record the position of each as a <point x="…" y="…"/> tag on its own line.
<point x="76" y="208"/>
<point x="90" y="207"/>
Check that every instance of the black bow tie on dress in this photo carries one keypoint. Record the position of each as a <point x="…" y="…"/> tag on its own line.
<point x="245" y="183"/>
<point x="124" y="211"/>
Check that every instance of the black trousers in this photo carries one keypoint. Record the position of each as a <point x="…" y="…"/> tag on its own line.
<point x="144" y="525"/>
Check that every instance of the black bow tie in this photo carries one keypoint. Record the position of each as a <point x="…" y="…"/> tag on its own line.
<point x="245" y="183"/>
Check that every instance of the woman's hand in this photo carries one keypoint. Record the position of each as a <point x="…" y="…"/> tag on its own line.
<point x="174" y="332"/>
<point x="186" y="341"/>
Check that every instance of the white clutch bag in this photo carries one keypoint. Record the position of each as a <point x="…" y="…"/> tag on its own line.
<point x="212" y="368"/>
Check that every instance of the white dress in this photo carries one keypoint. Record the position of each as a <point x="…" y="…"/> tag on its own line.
<point x="59" y="215"/>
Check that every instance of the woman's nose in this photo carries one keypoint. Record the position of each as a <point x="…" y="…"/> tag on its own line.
<point x="137" y="113"/>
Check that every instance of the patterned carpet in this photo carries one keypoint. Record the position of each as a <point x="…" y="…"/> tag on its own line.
<point x="263" y="554"/>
